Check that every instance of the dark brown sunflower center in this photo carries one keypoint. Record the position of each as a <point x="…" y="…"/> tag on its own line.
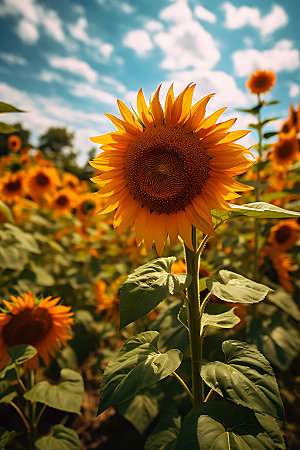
<point x="261" y="82"/>
<point x="42" y="179"/>
<point x="285" y="149"/>
<point x="282" y="234"/>
<point x="13" y="185"/>
<point x="62" y="200"/>
<point x="166" y="168"/>
<point x="87" y="207"/>
<point x="28" y="327"/>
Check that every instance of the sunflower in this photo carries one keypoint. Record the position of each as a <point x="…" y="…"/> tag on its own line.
<point x="87" y="205"/>
<point x="14" y="143"/>
<point x="292" y="121"/>
<point x="106" y="303"/>
<point x="69" y="180"/>
<point x="63" y="201"/>
<point x="285" y="150"/>
<point x="284" y="235"/>
<point x="12" y="187"/>
<point x="41" y="323"/>
<point x="261" y="81"/>
<point x="41" y="181"/>
<point x="164" y="170"/>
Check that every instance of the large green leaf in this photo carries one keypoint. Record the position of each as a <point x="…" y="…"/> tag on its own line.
<point x="245" y="378"/>
<point x="7" y="108"/>
<point x="63" y="439"/>
<point x="164" y="436"/>
<point x="18" y="355"/>
<point x="24" y="240"/>
<point x="149" y="285"/>
<point x="7" y="392"/>
<point x="226" y="426"/>
<point x="237" y="289"/>
<point x="225" y="319"/>
<point x="5" y="128"/>
<point x="66" y="395"/>
<point x="137" y="365"/>
<point x="259" y="210"/>
<point x="285" y="301"/>
<point x="140" y="411"/>
<point x="278" y="340"/>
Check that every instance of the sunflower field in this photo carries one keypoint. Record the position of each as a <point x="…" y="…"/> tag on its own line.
<point x="150" y="300"/>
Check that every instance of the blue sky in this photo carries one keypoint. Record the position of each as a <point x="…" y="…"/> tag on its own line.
<point x="67" y="61"/>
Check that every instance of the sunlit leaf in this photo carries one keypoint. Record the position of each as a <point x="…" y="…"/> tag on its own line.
<point x="66" y="395"/>
<point x="5" y="128"/>
<point x="137" y="365"/>
<point x="245" y="378"/>
<point x="6" y="108"/>
<point x="18" y="355"/>
<point x="236" y="288"/>
<point x="7" y="392"/>
<point x="226" y="426"/>
<point x="149" y="285"/>
<point x="6" y="211"/>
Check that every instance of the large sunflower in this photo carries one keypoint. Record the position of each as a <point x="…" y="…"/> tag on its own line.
<point x="165" y="169"/>
<point x="41" y="323"/>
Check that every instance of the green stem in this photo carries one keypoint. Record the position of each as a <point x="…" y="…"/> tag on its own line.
<point x="194" y="319"/>
<point x="208" y="395"/>
<point x="31" y="413"/>
<point x="21" y="415"/>
<point x="19" y="378"/>
<point x="184" y="385"/>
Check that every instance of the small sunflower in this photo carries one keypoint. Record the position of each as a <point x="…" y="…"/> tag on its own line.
<point x="87" y="205"/>
<point x="41" y="323"/>
<point x="106" y="303"/>
<point x="284" y="235"/>
<point x="69" y="180"/>
<point x="63" y="201"/>
<point x="12" y="187"/>
<point x="165" y="169"/>
<point x="14" y="143"/>
<point x="285" y="150"/>
<point x="41" y="181"/>
<point x="261" y="81"/>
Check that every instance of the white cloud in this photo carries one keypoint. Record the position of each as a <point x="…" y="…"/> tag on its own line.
<point x="283" y="56"/>
<point x="139" y="41"/>
<point x="10" y="58"/>
<point x="50" y="77"/>
<point x="178" y="12"/>
<point x="118" y="5"/>
<point x="75" y="66"/>
<point x="294" y="89"/>
<point x="204" y="14"/>
<point x="27" y="31"/>
<point x="185" y="43"/>
<point x="153" y="25"/>
<point x="85" y="90"/>
<point x="31" y="16"/>
<point x="238" y="17"/>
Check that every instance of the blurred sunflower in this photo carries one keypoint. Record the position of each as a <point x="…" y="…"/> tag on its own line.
<point x="164" y="170"/>
<point x="285" y="150"/>
<point x="12" y="187"/>
<point x="63" y="201"/>
<point x="14" y="143"/>
<point x="69" y="180"/>
<point x="87" y="205"/>
<point x="292" y="121"/>
<point x="261" y="81"/>
<point x="282" y="264"/>
<point x="41" y="181"/>
<point x="41" y="323"/>
<point x="284" y="235"/>
<point x="106" y="303"/>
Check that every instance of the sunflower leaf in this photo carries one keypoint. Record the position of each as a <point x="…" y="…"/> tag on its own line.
<point x="5" y="128"/>
<point x="6" y="211"/>
<point x="66" y="395"/>
<point x="246" y="378"/>
<point x="7" y="108"/>
<point x="138" y="365"/>
<point x="237" y="289"/>
<point x="229" y="427"/>
<point x="164" y="436"/>
<point x="147" y="286"/>
<point x="63" y="439"/>
<point x="18" y="355"/>
<point x="7" y="392"/>
<point x="259" y="210"/>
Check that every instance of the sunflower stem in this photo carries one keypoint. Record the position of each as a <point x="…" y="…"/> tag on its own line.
<point x="184" y="385"/>
<point x="31" y="413"/>
<point x="194" y="317"/>
<point x="257" y="192"/>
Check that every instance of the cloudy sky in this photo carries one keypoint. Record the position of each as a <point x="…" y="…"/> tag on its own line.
<point x="66" y="61"/>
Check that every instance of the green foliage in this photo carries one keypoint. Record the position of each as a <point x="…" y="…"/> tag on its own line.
<point x="245" y="378"/>
<point x="140" y="411"/>
<point x="224" y="425"/>
<point x="66" y="395"/>
<point x="63" y="439"/>
<point x="164" y="436"/>
<point x="6" y="108"/>
<point x="18" y="355"/>
<point x="147" y="287"/>
<point x="5" y="437"/>
<point x="7" y="392"/>
<point x="259" y="210"/>
<point x="236" y="288"/>
<point x="137" y="365"/>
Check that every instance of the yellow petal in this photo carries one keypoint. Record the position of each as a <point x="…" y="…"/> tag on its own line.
<point x="156" y="109"/>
